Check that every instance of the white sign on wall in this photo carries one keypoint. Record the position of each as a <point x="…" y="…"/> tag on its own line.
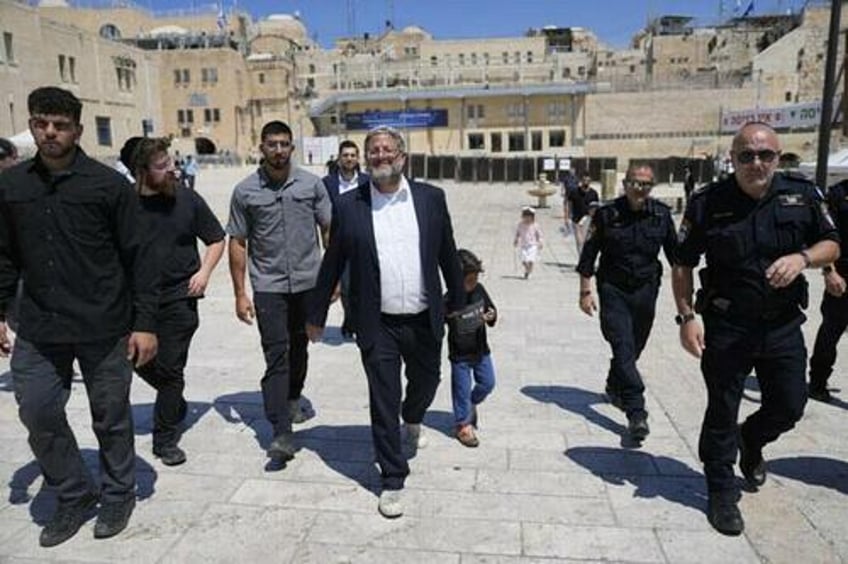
<point x="795" y="115"/>
<point x="318" y="150"/>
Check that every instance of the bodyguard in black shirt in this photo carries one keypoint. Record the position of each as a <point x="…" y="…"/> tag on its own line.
<point x="628" y="233"/>
<point x="176" y="217"/>
<point x="758" y="230"/>
<point x="68" y="230"/>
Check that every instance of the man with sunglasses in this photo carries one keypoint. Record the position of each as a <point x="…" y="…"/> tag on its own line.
<point x="758" y="230"/>
<point x="628" y="234"/>
<point x="275" y="217"/>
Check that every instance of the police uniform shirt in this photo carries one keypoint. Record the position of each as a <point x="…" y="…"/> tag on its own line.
<point x="837" y="203"/>
<point x="628" y="241"/>
<point x="741" y="237"/>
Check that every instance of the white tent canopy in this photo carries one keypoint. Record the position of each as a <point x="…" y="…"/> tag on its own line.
<point x="837" y="163"/>
<point x="24" y="142"/>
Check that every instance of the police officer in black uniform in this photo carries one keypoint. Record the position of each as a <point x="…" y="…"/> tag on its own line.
<point x="834" y="306"/>
<point x="628" y="233"/>
<point x="759" y="230"/>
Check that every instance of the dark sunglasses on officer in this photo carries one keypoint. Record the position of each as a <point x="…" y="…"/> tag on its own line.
<point x="764" y="155"/>
<point x="642" y="185"/>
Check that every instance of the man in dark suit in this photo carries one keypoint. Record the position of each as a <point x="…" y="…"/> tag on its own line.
<point x="395" y="236"/>
<point x="346" y="178"/>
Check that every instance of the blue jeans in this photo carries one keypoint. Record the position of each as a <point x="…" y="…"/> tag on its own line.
<point x="463" y="395"/>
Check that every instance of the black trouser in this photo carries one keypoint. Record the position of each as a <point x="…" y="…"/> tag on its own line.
<point x="834" y="322"/>
<point x="282" y="327"/>
<point x="626" y="320"/>
<point x="776" y="351"/>
<point x="348" y="323"/>
<point x="42" y="375"/>
<point x="411" y="339"/>
<point x="176" y="323"/>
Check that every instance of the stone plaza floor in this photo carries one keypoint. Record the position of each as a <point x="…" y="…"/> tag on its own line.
<point x="552" y="480"/>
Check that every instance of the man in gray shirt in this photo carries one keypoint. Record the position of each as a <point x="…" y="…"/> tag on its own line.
<point x="273" y="217"/>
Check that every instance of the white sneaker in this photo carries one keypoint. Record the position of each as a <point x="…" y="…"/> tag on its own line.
<point x="390" y="506"/>
<point x="415" y="437"/>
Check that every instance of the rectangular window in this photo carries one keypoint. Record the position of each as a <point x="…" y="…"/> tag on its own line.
<point x="516" y="57"/>
<point x="516" y="142"/>
<point x="536" y="140"/>
<point x="462" y="58"/>
<point x="207" y="115"/>
<point x="189" y="116"/>
<point x="216" y="115"/>
<point x="185" y="132"/>
<point x="505" y="58"/>
<point x="434" y="61"/>
<point x="104" y="131"/>
<point x="209" y="75"/>
<point x="178" y="75"/>
<point x="471" y="111"/>
<point x="556" y="138"/>
<point x="10" y="48"/>
<point x="475" y="141"/>
<point x="474" y="59"/>
<point x="529" y="56"/>
<point x="62" y="68"/>
<point x="180" y="116"/>
<point x="486" y="59"/>
<point x="261" y="78"/>
<point x="186" y="76"/>
<point x="480" y="114"/>
<point x="496" y="140"/>
<point x="72" y="69"/>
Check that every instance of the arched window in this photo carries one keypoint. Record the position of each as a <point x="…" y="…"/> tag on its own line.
<point x="110" y="31"/>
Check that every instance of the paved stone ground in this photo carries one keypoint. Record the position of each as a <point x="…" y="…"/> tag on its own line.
<point x="551" y="481"/>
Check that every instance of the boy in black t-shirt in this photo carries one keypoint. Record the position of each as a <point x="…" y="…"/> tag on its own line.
<point x="175" y="217"/>
<point x="469" y="352"/>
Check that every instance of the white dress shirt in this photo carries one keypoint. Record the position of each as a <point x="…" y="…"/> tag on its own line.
<point x="397" y="237"/>
<point x="348" y="185"/>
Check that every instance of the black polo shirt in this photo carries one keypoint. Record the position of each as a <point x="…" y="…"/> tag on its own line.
<point x="837" y="202"/>
<point x="176" y="224"/>
<point x="72" y="238"/>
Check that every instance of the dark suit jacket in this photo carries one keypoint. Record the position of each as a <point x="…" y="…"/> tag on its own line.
<point x="356" y="247"/>
<point x="331" y="182"/>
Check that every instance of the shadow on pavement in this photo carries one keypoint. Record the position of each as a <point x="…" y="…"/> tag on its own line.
<point x="813" y="470"/>
<point x="441" y="421"/>
<point x="333" y="336"/>
<point x="143" y="416"/>
<point x="6" y="382"/>
<point x="345" y="449"/>
<point x="42" y="504"/>
<point x="247" y="408"/>
<point x="580" y="402"/>
<point x="619" y="467"/>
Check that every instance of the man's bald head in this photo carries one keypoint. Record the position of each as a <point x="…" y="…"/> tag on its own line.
<point x="755" y="129"/>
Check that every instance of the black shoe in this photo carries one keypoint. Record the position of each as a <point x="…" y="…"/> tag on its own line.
<point x="819" y="393"/>
<point x="67" y="520"/>
<point x="637" y="426"/>
<point x="282" y="447"/>
<point x="113" y="518"/>
<point x="614" y="397"/>
<point x="751" y="463"/>
<point x="171" y="455"/>
<point x="723" y="514"/>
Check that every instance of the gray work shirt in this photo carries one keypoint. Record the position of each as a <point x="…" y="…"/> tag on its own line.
<point x="279" y="225"/>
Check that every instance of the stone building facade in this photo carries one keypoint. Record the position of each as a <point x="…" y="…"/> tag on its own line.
<point x="211" y="80"/>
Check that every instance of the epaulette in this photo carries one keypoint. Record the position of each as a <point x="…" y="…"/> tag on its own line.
<point x="796" y="175"/>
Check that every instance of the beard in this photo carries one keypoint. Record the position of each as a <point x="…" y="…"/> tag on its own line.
<point x="386" y="173"/>
<point x="166" y="187"/>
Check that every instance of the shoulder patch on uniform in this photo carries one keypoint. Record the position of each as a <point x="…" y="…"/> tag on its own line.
<point x="791" y="199"/>
<point x="796" y="176"/>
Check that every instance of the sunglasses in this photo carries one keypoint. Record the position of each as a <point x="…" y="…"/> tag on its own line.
<point x="640" y="184"/>
<point x="765" y="156"/>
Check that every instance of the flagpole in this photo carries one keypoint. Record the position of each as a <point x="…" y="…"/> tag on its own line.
<point x="827" y="94"/>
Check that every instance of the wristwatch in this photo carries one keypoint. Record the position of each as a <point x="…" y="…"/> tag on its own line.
<point x="684" y="318"/>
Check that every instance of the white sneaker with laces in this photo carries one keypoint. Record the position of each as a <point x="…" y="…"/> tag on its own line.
<point x="415" y="437"/>
<point x="391" y="505"/>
